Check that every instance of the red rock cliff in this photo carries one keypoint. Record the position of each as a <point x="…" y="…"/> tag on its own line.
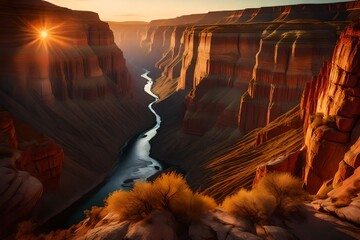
<point x="235" y="70"/>
<point x="78" y="59"/>
<point x="330" y="109"/>
<point x="72" y="86"/>
<point x="30" y="164"/>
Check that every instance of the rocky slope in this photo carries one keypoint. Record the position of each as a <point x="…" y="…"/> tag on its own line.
<point x="30" y="165"/>
<point x="72" y="86"/>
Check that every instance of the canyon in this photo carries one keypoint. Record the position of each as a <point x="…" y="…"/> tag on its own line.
<point x="225" y="74"/>
<point x="69" y="104"/>
<point x="242" y="94"/>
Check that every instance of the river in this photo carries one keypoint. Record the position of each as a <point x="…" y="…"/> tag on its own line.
<point x="134" y="164"/>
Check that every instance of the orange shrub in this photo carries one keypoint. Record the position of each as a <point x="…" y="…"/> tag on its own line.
<point x="168" y="192"/>
<point x="275" y="195"/>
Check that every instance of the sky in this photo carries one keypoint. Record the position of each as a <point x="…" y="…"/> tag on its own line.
<point x="147" y="10"/>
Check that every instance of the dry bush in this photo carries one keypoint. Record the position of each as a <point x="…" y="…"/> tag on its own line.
<point x="286" y="189"/>
<point x="320" y="119"/>
<point x="276" y="195"/>
<point x="253" y="205"/>
<point x="133" y="205"/>
<point x="168" y="192"/>
<point x="95" y="214"/>
<point x="25" y="230"/>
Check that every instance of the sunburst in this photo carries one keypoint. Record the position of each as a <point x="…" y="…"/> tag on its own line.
<point x="44" y="33"/>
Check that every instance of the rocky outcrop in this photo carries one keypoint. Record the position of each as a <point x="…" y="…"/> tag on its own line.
<point x="330" y="113"/>
<point x="78" y="59"/>
<point x="44" y="160"/>
<point x="38" y="155"/>
<point x="344" y="200"/>
<point x="19" y="192"/>
<point x="216" y="224"/>
<point x="7" y="135"/>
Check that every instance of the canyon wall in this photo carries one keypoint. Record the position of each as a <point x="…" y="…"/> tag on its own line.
<point x="30" y="165"/>
<point x="71" y="85"/>
<point x="330" y="108"/>
<point x="239" y="70"/>
<point x="128" y="36"/>
<point x="78" y="59"/>
<point x="325" y="151"/>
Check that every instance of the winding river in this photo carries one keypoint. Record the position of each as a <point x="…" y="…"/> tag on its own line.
<point x="135" y="164"/>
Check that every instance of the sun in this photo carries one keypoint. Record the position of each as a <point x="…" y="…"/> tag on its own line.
<point x="44" y="34"/>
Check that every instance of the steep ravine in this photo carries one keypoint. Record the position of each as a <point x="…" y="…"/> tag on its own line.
<point x="75" y="90"/>
<point x="233" y="71"/>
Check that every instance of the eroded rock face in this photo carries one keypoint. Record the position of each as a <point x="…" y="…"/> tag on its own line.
<point x="19" y="192"/>
<point x="7" y="135"/>
<point x="330" y="113"/>
<point x="232" y="71"/>
<point x="344" y="200"/>
<point x="78" y="59"/>
<point x="41" y="157"/>
<point x="43" y="160"/>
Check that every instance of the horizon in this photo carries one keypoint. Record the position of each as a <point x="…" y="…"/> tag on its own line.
<point x="133" y="11"/>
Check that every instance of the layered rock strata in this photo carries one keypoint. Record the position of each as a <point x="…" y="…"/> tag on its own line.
<point x="78" y="59"/>
<point x="73" y="86"/>
<point x="19" y="192"/>
<point x="261" y="61"/>
<point x="330" y="107"/>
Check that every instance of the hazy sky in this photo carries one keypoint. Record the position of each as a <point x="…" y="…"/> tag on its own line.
<point x="146" y="10"/>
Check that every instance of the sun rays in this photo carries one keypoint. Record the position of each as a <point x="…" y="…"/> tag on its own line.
<point x="46" y="33"/>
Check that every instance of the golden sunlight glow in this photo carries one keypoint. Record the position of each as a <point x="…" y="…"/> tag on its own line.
<point x="44" y="34"/>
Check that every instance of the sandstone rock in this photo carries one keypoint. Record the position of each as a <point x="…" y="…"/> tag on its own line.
<point x="19" y="193"/>
<point x="344" y="199"/>
<point x="237" y="234"/>
<point x="331" y="134"/>
<point x="200" y="231"/>
<point x="350" y="213"/>
<point x="44" y="160"/>
<point x="274" y="232"/>
<point x="107" y="231"/>
<point x="344" y="171"/>
<point x="159" y="225"/>
<point x="79" y="62"/>
<point x="352" y="157"/>
<point x="289" y="163"/>
<point x="347" y="190"/>
<point x="330" y="96"/>
<point x="7" y="131"/>
<point x="238" y="222"/>
<point x="345" y="124"/>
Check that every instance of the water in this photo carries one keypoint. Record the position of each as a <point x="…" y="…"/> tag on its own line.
<point x="134" y="165"/>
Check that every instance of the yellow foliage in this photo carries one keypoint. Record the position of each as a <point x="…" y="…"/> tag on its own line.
<point x="95" y="214"/>
<point x="168" y="192"/>
<point x="275" y="195"/>
<point x="286" y="189"/>
<point x="253" y="205"/>
<point x="320" y="119"/>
